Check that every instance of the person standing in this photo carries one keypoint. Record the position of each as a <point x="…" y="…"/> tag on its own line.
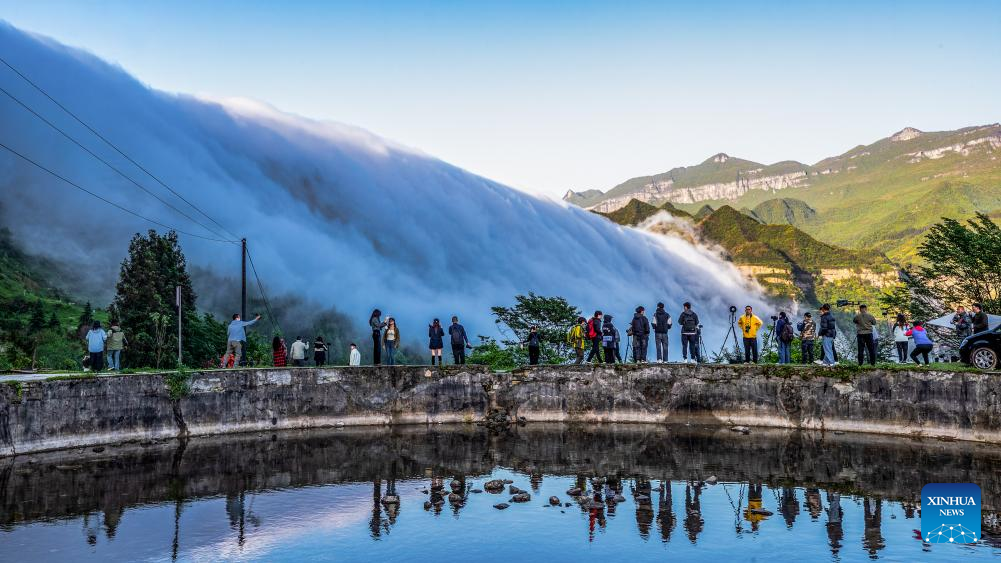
<point x="534" y="342"/>
<point x="828" y="332"/>
<point x="299" y="348"/>
<point x="807" y="335"/>
<point x="749" y="324"/>
<point x="641" y="335"/>
<point x="963" y="323"/>
<point x="391" y="339"/>
<point x="96" y="337"/>
<point x="236" y="335"/>
<point x="900" y="328"/>
<point x="278" y="352"/>
<point x="980" y="319"/>
<point x="320" y="351"/>
<point x="784" y="335"/>
<point x="577" y="338"/>
<point x="376" y="324"/>
<point x="594" y="334"/>
<point x="116" y="343"/>
<point x="609" y="336"/>
<point x="354" y="356"/>
<point x="864" y="326"/>
<point x="689" y="323"/>
<point x="661" y="324"/>
<point x="459" y="341"/>
<point x="923" y="343"/>
<point x="436" y="341"/>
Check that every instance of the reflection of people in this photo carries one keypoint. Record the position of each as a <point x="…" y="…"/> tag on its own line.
<point x="644" y="506"/>
<point x="665" y="511"/>
<point x="834" y="530"/>
<point x="812" y="503"/>
<point x="789" y="506"/>
<point x="754" y="502"/>
<point x="693" y="512"/>
<point x="872" y="536"/>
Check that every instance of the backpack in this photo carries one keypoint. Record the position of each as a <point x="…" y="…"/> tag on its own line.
<point x="787" y="334"/>
<point x="591" y="334"/>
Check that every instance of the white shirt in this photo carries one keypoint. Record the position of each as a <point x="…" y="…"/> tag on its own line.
<point x="355" y="359"/>
<point x="899" y="333"/>
<point x="299" y="350"/>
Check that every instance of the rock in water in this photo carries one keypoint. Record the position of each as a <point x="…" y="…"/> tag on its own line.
<point x="494" y="486"/>
<point x="507" y="481"/>
<point x="476" y="491"/>
<point x="390" y="499"/>
<point x="712" y="480"/>
<point x="619" y="498"/>
<point x="555" y="501"/>
<point x="501" y="506"/>
<point x="455" y="498"/>
<point x="575" y="492"/>
<point x="521" y="497"/>
<point x="427" y="505"/>
<point x="514" y="490"/>
<point x="455" y="485"/>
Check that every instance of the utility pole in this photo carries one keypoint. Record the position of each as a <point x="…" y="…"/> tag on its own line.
<point x="177" y="295"/>
<point x="243" y="280"/>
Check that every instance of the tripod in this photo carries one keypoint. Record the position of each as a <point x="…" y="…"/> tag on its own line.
<point x="731" y="332"/>
<point x="702" y="348"/>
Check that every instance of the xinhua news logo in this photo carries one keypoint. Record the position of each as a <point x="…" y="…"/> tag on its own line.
<point x="950" y="513"/>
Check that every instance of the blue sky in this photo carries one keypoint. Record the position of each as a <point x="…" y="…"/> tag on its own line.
<point x="547" y="96"/>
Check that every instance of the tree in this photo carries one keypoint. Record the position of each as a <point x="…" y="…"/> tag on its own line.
<point x="552" y="315"/>
<point x="144" y="299"/>
<point x="37" y="322"/>
<point x="86" y="317"/>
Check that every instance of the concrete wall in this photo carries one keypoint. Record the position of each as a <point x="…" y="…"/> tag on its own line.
<point x="71" y="413"/>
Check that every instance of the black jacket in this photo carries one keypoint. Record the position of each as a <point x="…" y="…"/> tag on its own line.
<point x="640" y="325"/>
<point x="662" y="320"/>
<point x="458" y="334"/>
<point x="689" y="322"/>
<point x="980" y="322"/>
<point x="827" y="325"/>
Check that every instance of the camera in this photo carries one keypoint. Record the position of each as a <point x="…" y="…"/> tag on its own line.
<point x="733" y="308"/>
<point x="775" y="317"/>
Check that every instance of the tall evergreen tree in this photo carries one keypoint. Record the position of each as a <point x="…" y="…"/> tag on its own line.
<point x="87" y="316"/>
<point x="155" y="266"/>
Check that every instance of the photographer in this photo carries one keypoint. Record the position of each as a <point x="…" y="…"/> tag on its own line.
<point x="641" y="334"/>
<point x="865" y="324"/>
<point x="749" y="324"/>
<point x="828" y="331"/>
<point x="807" y="334"/>
<point x="661" y="324"/>
<point x="962" y="322"/>
<point x="610" y="339"/>
<point x="689" y="324"/>
<point x="784" y="335"/>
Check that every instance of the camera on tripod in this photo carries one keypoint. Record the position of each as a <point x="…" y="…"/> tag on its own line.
<point x="848" y="303"/>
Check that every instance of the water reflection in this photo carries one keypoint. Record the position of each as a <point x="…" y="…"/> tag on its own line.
<point x="628" y="480"/>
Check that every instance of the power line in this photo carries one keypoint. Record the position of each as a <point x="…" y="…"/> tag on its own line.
<point x="114" y="146"/>
<point x="260" y="287"/>
<point x="105" y="200"/>
<point x="105" y="162"/>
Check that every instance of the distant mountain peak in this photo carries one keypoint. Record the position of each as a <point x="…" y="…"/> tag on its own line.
<point x="720" y="157"/>
<point x="906" y="134"/>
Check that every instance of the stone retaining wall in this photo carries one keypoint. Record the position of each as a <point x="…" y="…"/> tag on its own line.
<point x="46" y="415"/>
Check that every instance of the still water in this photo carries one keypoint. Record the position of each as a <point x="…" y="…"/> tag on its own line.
<point x="316" y="496"/>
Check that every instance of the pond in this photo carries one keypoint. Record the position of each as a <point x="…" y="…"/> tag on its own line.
<point x="665" y="492"/>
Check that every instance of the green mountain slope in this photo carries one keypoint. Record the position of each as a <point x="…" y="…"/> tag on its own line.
<point x="636" y="211"/>
<point x="781" y="246"/>
<point x="882" y="196"/>
<point x="784" y="211"/>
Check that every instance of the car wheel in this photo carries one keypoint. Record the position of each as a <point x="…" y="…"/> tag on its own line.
<point x="984" y="358"/>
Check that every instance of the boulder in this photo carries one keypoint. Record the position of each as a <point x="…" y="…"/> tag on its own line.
<point x="521" y="497"/>
<point x="555" y="501"/>
<point x="501" y="506"/>
<point x="514" y="490"/>
<point x="455" y="485"/>
<point x="494" y="486"/>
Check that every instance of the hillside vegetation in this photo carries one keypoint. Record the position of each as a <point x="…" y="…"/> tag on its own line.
<point x="883" y="196"/>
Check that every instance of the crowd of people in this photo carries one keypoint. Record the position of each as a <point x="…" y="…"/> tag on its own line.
<point x="595" y="339"/>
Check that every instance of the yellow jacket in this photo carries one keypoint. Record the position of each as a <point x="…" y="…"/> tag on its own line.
<point x="749" y="325"/>
<point x="575" y="338"/>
